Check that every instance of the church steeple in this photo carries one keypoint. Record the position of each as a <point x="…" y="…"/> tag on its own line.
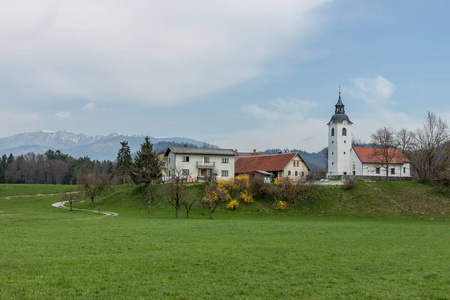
<point x="339" y="105"/>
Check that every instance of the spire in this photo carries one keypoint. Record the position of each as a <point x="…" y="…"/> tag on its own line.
<point x="339" y="105"/>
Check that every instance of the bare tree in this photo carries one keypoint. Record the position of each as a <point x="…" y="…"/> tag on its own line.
<point x="70" y="196"/>
<point x="176" y="191"/>
<point x="429" y="152"/>
<point x="405" y="140"/>
<point x="385" y="152"/>
<point x="92" y="183"/>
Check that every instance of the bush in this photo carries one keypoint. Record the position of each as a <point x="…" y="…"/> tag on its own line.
<point x="233" y="204"/>
<point x="280" y="205"/>
<point x="349" y="184"/>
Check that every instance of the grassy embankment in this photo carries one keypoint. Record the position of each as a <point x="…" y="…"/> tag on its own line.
<point x="54" y="253"/>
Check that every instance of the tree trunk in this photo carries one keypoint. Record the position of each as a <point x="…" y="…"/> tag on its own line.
<point x="92" y="201"/>
<point x="176" y="211"/>
<point x="149" y="200"/>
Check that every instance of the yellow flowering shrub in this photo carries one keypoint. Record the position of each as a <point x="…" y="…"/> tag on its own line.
<point x="281" y="205"/>
<point x="242" y="182"/>
<point x="232" y="204"/>
<point x="247" y="197"/>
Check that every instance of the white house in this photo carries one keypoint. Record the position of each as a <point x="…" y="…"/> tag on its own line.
<point x="343" y="159"/>
<point x="199" y="163"/>
<point x="366" y="163"/>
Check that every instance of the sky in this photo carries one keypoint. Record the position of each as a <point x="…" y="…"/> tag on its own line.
<point x="238" y="74"/>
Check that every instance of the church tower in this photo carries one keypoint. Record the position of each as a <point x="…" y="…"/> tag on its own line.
<point x="339" y="141"/>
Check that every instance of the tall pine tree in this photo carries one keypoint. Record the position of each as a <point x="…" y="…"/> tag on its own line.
<point x="146" y="168"/>
<point x="124" y="162"/>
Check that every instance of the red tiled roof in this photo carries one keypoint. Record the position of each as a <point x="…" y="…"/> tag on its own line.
<point x="275" y="162"/>
<point x="366" y="155"/>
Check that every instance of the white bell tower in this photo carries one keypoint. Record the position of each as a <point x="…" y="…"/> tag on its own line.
<point x="339" y="142"/>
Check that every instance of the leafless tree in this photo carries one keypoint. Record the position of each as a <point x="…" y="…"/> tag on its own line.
<point x="429" y="154"/>
<point x="405" y="140"/>
<point x="385" y="152"/>
<point x="176" y="191"/>
<point x="94" y="184"/>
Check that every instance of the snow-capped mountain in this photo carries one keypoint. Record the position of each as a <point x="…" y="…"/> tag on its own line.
<point x="78" y="144"/>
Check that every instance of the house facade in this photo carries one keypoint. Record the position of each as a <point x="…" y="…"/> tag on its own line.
<point x="288" y="165"/>
<point x="200" y="163"/>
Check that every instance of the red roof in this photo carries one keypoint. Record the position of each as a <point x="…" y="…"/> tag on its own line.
<point x="275" y="162"/>
<point x="366" y="155"/>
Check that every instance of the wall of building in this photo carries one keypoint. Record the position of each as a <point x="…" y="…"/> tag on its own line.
<point x="302" y="169"/>
<point x="176" y="163"/>
<point x="339" y="149"/>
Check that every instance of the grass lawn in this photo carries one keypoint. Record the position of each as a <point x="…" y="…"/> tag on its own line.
<point x="54" y="253"/>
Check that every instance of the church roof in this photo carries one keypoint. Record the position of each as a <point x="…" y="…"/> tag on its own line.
<point x="339" y="113"/>
<point x="366" y="155"/>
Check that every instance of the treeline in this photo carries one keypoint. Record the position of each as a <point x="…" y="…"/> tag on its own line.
<point x="52" y="167"/>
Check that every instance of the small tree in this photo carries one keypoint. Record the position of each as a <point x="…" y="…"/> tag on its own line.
<point x="69" y="196"/>
<point x="385" y="146"/>
<point x="145" y="169"/>
<point x="176" y="191"/>
<point x="124" y="162"/>
<point x="215" y="193"/>
<point x="93" y="184"/>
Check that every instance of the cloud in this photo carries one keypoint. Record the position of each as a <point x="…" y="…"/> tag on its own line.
<point x="372" y="90"/>
<point x="285" y="109"/>
<point x="158" y="52"/>
<point x="63" y="115"/>
<point x="89" y="106"/>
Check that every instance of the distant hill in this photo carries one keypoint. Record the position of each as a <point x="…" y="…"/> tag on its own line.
<point x="77" y="144"/>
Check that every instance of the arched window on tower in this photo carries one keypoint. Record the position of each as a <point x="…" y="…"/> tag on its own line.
<point x="332" y="131"/>
<point x="344" y="132"/>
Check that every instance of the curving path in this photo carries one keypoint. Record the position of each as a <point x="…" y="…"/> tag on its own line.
<point x="106" y="213"/>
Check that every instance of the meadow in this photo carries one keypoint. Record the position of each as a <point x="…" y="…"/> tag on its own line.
<point x="52" y="253"/>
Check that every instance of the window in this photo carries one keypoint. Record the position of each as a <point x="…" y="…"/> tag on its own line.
<point x="303" y="174"/>
<point x="298" y="163"/>
<point x="344" y="132"/>
<point x="296" y="173"/>
<point x="345" y="142"/>
<point x="185" y="159"/>
<point x="377" y="171"/>
<point x="344" y="152"/>
<point x="185" y="172"/>
<point x="332" y="131"/>
<point x="294" y="163"/>
<point x="224" y="173"/>
<point x="404" y="170"/>
<point x="289" y="173"/>
<point x="206" y="159"/>
<point x="225" y="160"/>
<point x="392" y="171"/>
<point x="345" y="173"/>
<point x="332" y="153"/>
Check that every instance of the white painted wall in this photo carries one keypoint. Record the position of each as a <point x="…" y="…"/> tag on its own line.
<point x="302" y="168"/>
<point x="366" y="169"/>
<point x="339" y="149"/>
<point x="176" y="163"/>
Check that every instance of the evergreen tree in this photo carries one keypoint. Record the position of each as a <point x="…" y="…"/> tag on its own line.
<point x="124" y="162"/>
<point x="10" y="159"/>
<point x="145" y="169"/>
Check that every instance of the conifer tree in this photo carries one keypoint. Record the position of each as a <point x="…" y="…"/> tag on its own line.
<point x="124" y="162"/>
<point x="145" y="169"/>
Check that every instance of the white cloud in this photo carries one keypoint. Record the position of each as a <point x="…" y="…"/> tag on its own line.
<point x="372" y="90"/>
<point x="63" y="115"/>
<point x="159" y="52"/>
<point x="89" y="106"/>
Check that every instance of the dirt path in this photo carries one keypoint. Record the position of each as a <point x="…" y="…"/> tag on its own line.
<point x="106" y="213"/>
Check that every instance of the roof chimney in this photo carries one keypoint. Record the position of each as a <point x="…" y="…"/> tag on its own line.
<point x="254" y="151"/>
<point x="185" y="146"/>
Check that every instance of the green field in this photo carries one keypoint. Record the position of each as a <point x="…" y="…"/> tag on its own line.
<point x="320" y="250"/>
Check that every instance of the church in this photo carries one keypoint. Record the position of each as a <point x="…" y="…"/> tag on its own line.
<point x="363" y="163"/>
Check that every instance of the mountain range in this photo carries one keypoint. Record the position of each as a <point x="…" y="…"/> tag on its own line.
<point x="102" y="147"/>
<point x="97" y="147"/>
